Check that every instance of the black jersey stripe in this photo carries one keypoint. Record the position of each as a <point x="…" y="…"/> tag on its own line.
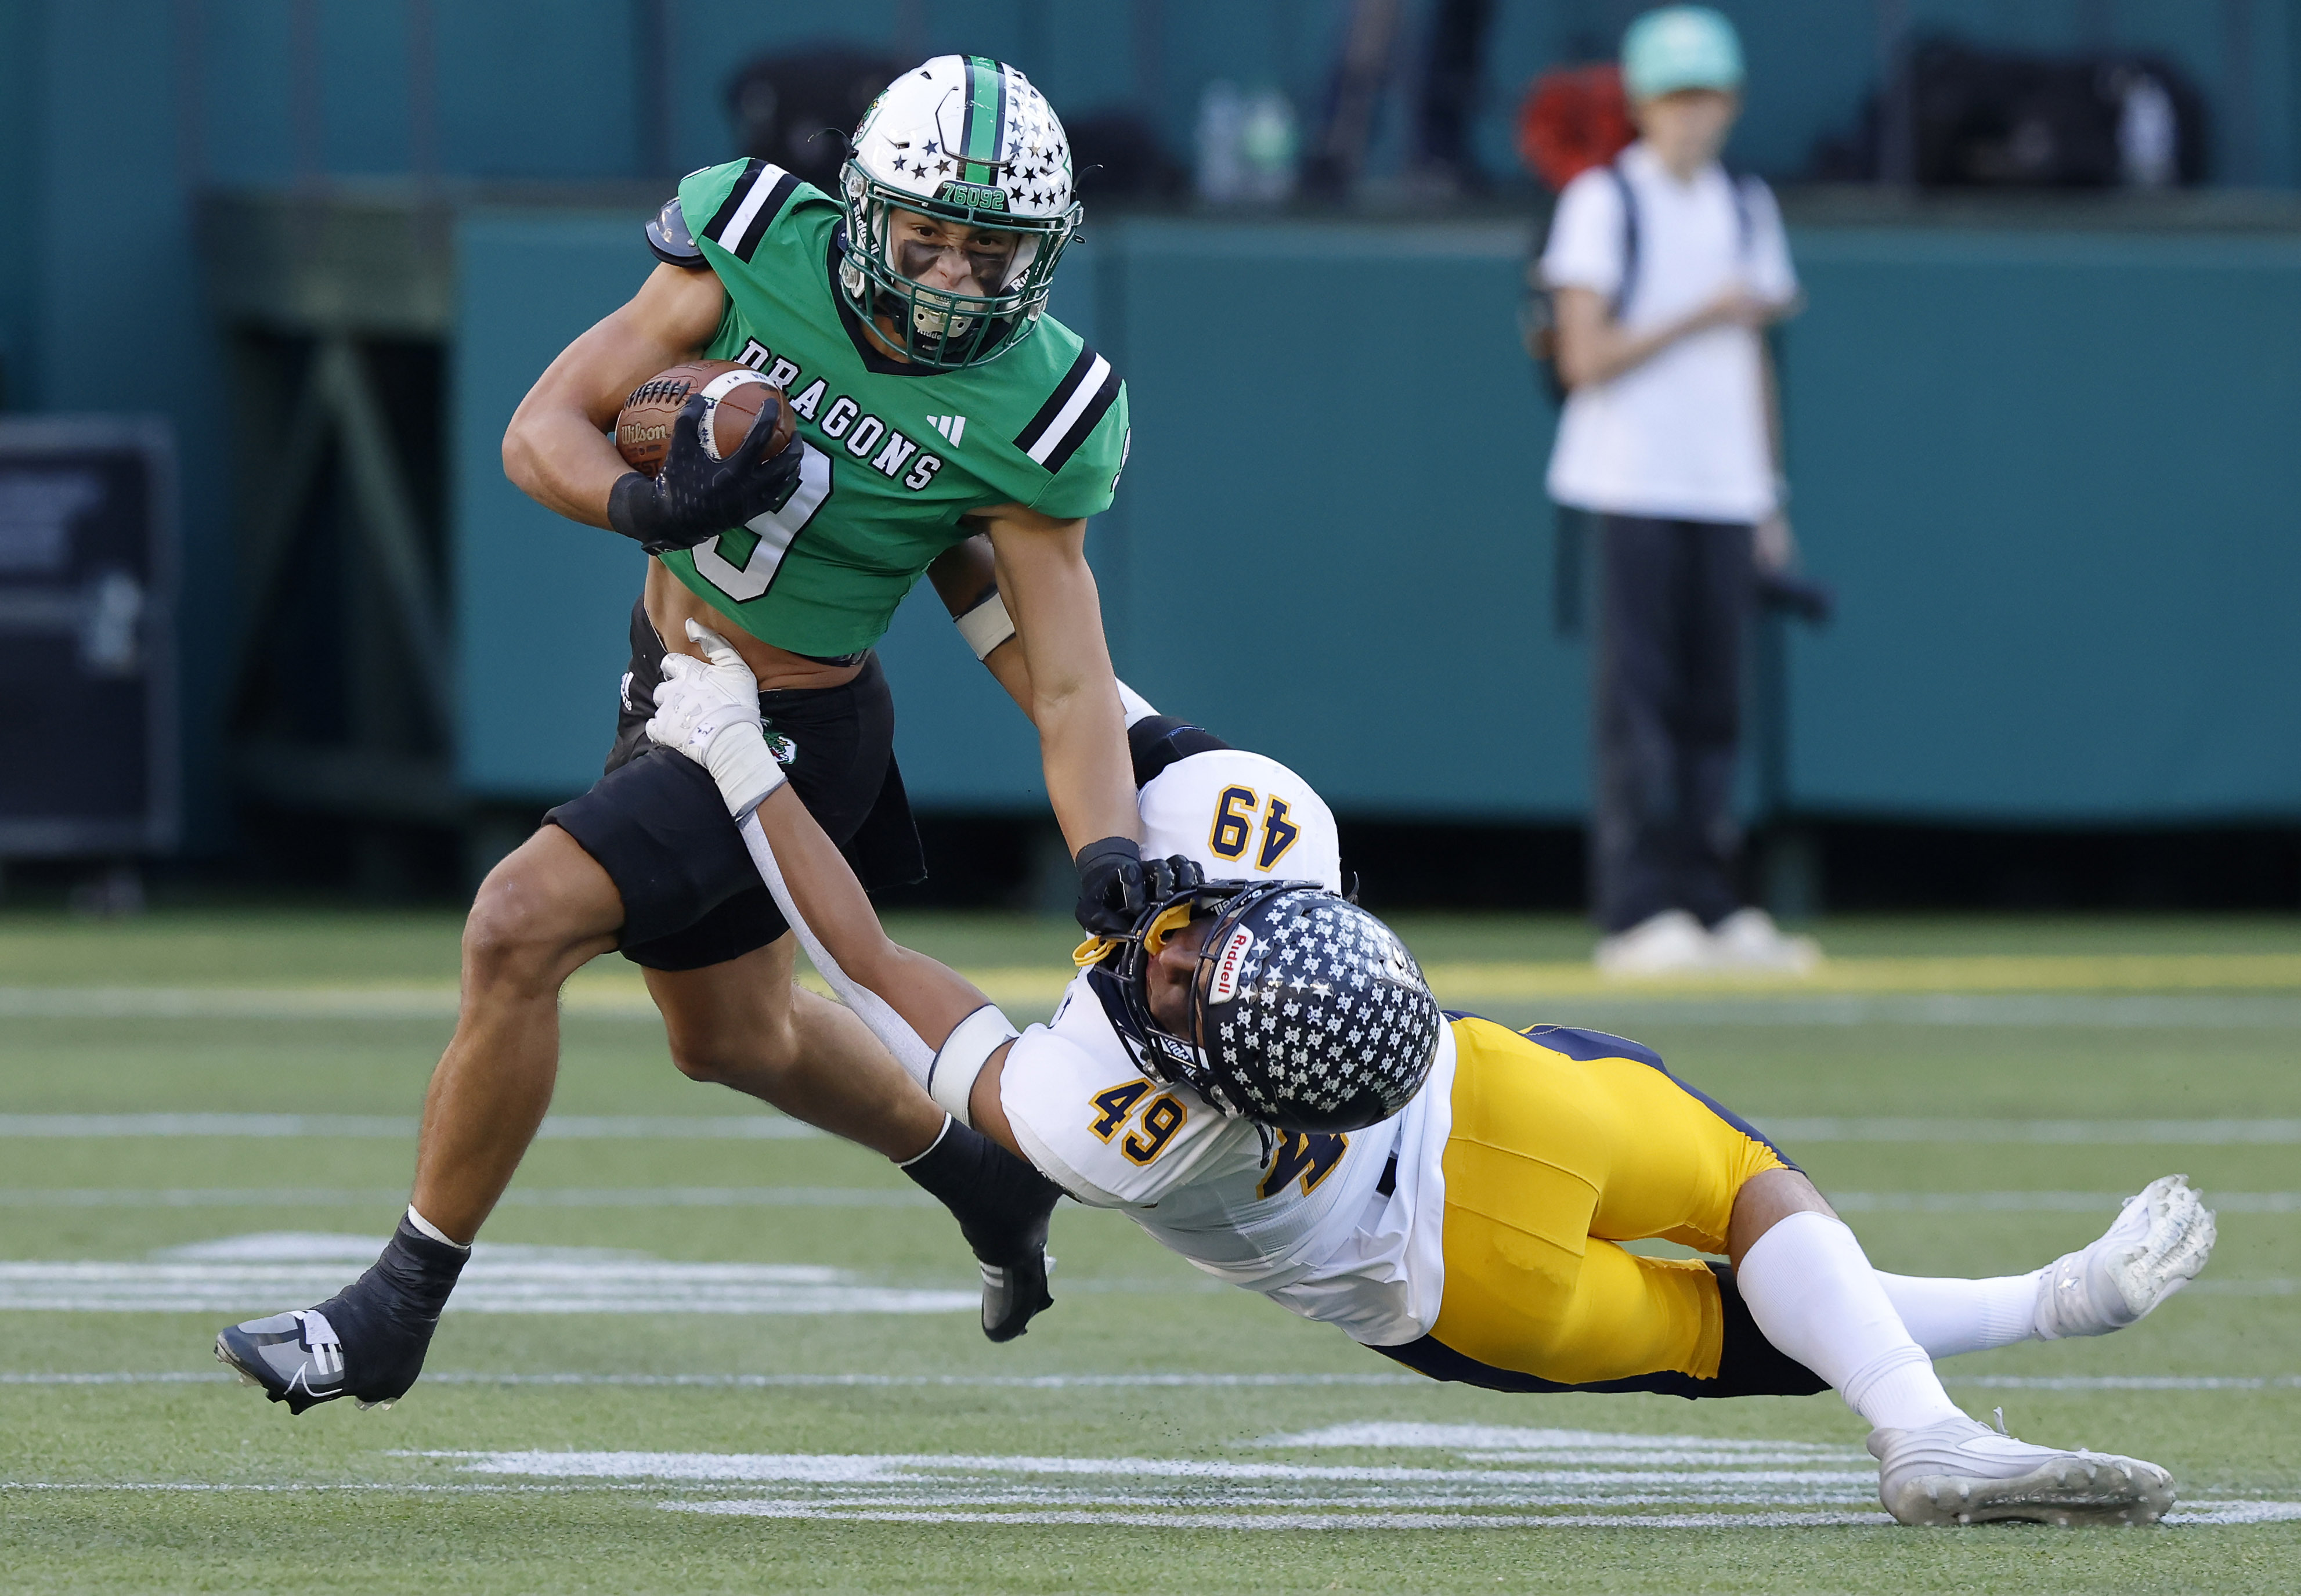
<point x="744" y="247"/>
<point x="1028" y="438"/>
<point x="734" y="203"/>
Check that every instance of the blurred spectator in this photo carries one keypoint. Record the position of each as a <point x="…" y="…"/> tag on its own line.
<point x="797" y="109"/>
<point x="1452" y="70"/>
<point x="1115" y="156"/>
<point x="1663" y="269"/>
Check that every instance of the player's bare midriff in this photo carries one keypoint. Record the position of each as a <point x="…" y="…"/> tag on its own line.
<point x="670" y="605"/>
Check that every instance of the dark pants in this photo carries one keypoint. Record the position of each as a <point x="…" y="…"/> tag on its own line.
<point x="1673" y="596"/>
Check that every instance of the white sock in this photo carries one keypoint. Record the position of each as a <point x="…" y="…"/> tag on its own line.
<point x="433" y="1231"/>
<point x="1948" y="1316"/>
<point x="1814" y="1293"/>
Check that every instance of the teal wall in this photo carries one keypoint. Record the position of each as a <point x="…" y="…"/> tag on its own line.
<point x="113" y="113"/>
<point x="2051" y="474"/>
<point x="2056" y="479"/>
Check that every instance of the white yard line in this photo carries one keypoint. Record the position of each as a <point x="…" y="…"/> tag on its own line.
<point x="2040" y="1132"/>
<point x="581" y="1127"/>
<point x="286" y="1271"/>
<point x="2128" y="1382"/>
<point x="1645" y="1473"/>
<point x="771" y="1381"/>
<point x="518" y="1197"/>
<point x="2044" y="1202"/>
<point x="2117" y="1133"/>
<point x="614" y="999"/>
<point x="906" y="1197"/>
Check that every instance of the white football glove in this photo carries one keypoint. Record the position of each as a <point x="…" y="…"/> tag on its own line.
<point x="708" y="709"/>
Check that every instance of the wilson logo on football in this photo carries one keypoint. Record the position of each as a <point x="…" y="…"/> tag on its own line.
<point x="1229" y="963"/>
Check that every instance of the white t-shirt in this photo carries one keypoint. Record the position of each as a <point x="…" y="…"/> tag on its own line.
<point x="1301" y="1219"/>
<point x="1684" y="435"/>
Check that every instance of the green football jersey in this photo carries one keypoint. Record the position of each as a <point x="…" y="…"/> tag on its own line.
<point x="896" y="453"/>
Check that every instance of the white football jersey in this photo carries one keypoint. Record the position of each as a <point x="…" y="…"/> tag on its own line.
<point x="1241" y="816"/>
<point x="1342" y="1229"/>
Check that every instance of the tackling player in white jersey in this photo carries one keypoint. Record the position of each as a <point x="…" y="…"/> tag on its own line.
<point x="1258" y="1074"/>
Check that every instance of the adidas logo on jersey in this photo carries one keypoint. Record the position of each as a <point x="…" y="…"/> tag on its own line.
<point x="953" y="427"/>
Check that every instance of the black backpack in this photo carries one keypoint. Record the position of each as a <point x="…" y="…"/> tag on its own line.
<point x="1537" y="314"/>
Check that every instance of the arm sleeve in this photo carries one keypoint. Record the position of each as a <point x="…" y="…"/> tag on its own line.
<point x="1772" y="274"/>
<point x="1089" y="480"/>
<point x="894" y="1032"/>
<point x="1585" y="250"/>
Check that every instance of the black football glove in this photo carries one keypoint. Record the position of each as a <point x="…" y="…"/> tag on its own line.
<point x="695" y="497"/>
<point x="1111" y="888"/>
<point x="1164" y="878"/>
<point x="1117" y="883"/>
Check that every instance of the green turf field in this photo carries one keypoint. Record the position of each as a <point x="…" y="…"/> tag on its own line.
<point x="708" y="1351"/>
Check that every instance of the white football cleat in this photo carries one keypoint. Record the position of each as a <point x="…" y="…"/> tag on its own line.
<point x="1749" y="940"/>
<point x="1669" y="943"/>
<point x="1961" y="1471"/>
<point x="2162" y="1239"/>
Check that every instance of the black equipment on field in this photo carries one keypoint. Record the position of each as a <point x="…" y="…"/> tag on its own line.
<point x="795" y="110"/>
<point x="1954" y="115"/>
<point x="88" y="566"/>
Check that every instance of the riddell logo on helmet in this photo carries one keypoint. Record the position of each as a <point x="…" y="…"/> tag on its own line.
<point x="1229" y="963"/>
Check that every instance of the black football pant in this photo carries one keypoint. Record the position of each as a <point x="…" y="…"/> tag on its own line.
<point x="1672" y="597"/>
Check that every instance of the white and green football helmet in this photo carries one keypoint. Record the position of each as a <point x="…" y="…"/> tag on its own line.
<point x="967" y="139"/>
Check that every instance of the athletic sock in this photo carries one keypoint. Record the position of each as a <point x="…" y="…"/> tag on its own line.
<point x="1949" y="1317"/>
<point x="1814" y="1293"/>
<point x="1000" y="1202"/>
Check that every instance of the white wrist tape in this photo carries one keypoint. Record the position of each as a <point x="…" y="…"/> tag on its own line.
<point x="1137" y="706"/>
<point x="985" y="627"/>
<point x="951" y="1078"/>
<point x="739" y="762"/>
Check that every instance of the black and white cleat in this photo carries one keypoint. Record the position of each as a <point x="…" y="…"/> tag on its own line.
<point x="292" y="1358"/>
<point x="366" y="1343"/>
<point x="1016" y="1293"/>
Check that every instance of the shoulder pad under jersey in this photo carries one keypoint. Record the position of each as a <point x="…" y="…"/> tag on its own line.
<point x="668" y="235"/>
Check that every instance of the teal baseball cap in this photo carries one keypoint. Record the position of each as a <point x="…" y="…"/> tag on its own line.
<point x="1680" y="46"/>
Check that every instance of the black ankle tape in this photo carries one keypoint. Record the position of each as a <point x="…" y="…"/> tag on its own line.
<point x="420" y="1269"/>
<point x="999" y="1201"/>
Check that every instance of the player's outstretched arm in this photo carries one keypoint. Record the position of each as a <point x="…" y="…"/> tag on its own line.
<point x="1051" y="593"/>
<point x="709" y="710"/>
<point x="557" y="450"/>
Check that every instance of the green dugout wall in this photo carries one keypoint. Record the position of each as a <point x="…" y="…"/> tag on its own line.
<point x="2051" y="473"/>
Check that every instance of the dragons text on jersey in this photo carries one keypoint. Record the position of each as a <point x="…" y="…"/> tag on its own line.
<point x="896" y="453"/>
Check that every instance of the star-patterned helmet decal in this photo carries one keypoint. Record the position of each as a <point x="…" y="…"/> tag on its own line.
<point x="1329" y="1024"/>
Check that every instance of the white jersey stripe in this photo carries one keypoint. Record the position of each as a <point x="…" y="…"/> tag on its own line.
<point x="1067" y="417"/>
<point x="762" y="185"/>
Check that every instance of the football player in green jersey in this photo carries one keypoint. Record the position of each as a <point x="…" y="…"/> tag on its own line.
<point x="935" y="400"/>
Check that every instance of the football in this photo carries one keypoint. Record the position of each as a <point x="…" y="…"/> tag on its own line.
<point x="733" y="395"/>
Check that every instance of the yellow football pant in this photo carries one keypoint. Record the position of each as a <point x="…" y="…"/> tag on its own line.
<point x="1554" y="1159"/>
